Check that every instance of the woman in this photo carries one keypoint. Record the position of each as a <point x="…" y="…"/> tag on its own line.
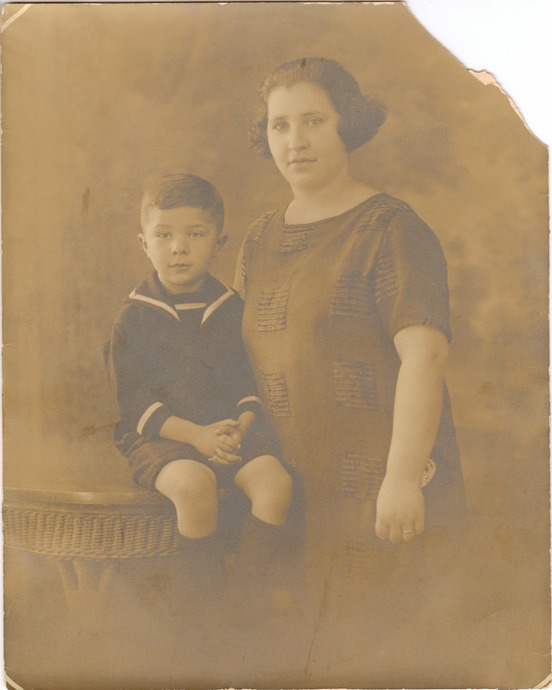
<point x="347" y="326"/>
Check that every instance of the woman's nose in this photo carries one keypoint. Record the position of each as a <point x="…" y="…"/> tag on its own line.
<point x="297" y="138"/>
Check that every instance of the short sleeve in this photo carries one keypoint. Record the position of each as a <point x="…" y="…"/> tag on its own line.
<point x="410" y="277"/>
<point x="252" y="238"/>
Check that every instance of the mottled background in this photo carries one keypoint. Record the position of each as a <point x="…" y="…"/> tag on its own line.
<point x="95" y="97"/>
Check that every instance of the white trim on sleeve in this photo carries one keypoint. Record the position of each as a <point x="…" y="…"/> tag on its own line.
<point x="146" y="416"/>
<point x="251" y="398"/>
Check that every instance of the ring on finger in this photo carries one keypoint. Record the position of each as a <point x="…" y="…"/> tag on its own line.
<point x="408" y="531"/>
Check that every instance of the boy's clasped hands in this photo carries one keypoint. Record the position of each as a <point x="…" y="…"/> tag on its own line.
<point x="220" y="441"/>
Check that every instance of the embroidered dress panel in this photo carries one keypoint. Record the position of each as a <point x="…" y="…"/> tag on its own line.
<point x="385" y="280"/>
<point x="272" y="309"/>
<point x="361" y="476"/>
<point x="276" y="393"/>
<point x="295" y="239"/>
<point x="352" y="296"/>
<point x="379" y="213"/>
<point x="256" y="228"/>
<point x="355" y="385"/>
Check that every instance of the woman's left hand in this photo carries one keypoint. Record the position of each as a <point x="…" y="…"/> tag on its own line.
<point x="399" y="510"/>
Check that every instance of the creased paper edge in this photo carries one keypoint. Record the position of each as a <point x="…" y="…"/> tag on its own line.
<point x="15" y="16"/>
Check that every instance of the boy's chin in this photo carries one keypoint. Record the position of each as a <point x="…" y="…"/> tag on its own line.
<point x="184" y="285"/>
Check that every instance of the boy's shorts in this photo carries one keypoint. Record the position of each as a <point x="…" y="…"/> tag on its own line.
<point x="147" y="458"/>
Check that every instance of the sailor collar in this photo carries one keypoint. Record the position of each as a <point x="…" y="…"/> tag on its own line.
<point x="152" y="293"/>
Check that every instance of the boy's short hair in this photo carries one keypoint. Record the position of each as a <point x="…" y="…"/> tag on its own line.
<point x="173" y="190"/>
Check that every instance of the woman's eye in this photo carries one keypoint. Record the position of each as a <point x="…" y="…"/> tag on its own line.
<point x="279" y="126"/>
<point x="313" y="121"/>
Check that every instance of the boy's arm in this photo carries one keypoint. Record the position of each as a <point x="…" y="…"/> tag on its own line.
<point x="249" y="407"/>
<point x="138" y="407"/>
<point x="246" y="420"/>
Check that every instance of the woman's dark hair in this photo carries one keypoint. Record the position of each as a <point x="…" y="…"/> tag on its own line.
<point x="173" y="190"/>
<point x="360" y="117"/>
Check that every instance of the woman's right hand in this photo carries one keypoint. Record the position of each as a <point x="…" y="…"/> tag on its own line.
<point x="399" y="510"/>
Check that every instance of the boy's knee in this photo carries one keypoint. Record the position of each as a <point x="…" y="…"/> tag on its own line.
<point x="194" y="488"/>
<point x="194" y="495"/>
<point x="271" y="499"/>
<point x="186" y="478"/>
<point x="279" y="481"/>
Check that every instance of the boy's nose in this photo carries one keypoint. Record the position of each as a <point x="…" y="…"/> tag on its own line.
<point x="180" y="247"/>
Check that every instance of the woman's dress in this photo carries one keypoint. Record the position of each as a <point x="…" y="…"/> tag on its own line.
<point x="323" y="303"/>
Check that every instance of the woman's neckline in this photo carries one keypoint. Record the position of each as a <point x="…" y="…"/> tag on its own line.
<point x="337" y="216"/>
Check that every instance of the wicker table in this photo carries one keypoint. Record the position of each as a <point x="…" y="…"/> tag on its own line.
<point x="86" y="533"/>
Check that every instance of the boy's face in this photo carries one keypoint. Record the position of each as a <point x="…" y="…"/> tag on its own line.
<point x="181" y="243"/>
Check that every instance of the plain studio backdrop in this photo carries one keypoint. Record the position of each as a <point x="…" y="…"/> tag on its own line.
<point x="97" y="96"/>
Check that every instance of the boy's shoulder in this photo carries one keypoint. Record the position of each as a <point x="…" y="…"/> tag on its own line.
<point x="221" y="297"/>
<point x="144" y="292"/>
<point x="216" y="289"/>
<point x="138" y="303"/>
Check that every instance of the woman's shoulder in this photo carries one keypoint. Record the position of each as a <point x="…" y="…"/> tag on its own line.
<point x="387" y="214"/>
<point x="259" y="225"/>
<point x="379" y="210"/>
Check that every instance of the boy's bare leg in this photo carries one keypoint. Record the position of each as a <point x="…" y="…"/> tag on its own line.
<point x="192" y="487"/>
<point x="269" y="488"/>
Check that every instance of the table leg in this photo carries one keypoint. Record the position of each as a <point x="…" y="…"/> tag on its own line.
<point x="85" y="582"/>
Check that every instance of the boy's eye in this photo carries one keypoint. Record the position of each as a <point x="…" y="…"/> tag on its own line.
<point x="163" y="235"/>
<point x="196" y="233"/>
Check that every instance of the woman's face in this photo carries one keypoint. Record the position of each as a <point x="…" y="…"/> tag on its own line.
<point x="303" y="137"/>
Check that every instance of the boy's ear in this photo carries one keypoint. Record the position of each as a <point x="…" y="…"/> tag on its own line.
<point x="221" y="241"/>
<point x="143" y="243"/>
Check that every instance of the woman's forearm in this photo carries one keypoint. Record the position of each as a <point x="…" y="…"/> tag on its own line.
<point x="418" y="398"/>
<point x="418" y="401"/>
<point x="416" y="416"/>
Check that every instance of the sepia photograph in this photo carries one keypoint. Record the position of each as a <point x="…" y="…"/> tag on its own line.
<point x="276" y="350"/>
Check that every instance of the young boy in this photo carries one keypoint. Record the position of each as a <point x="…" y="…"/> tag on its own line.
<point x="188" y="406"/>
